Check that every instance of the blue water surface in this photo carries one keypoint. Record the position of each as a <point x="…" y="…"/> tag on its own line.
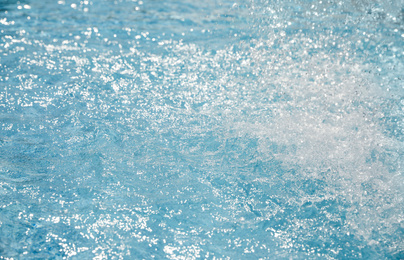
<point x="214" y="129"/>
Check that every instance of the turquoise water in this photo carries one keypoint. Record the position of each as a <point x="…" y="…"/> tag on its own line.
<point x="201" y="129"/>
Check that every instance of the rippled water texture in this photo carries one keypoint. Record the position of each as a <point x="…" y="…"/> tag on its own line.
<point x="209" y="129"/>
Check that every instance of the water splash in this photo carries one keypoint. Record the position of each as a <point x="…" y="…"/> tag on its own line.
<point x="261" y="129"/>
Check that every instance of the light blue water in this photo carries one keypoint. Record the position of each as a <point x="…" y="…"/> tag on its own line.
<point x="201" y="129"/>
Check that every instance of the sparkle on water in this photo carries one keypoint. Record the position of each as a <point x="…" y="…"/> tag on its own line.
<point x="201" y="129"/>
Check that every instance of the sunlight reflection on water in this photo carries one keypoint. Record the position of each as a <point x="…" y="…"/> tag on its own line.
<point x="233" y="130"/>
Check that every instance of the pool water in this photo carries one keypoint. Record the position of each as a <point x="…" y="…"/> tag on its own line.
<point x="209" y="129"/>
